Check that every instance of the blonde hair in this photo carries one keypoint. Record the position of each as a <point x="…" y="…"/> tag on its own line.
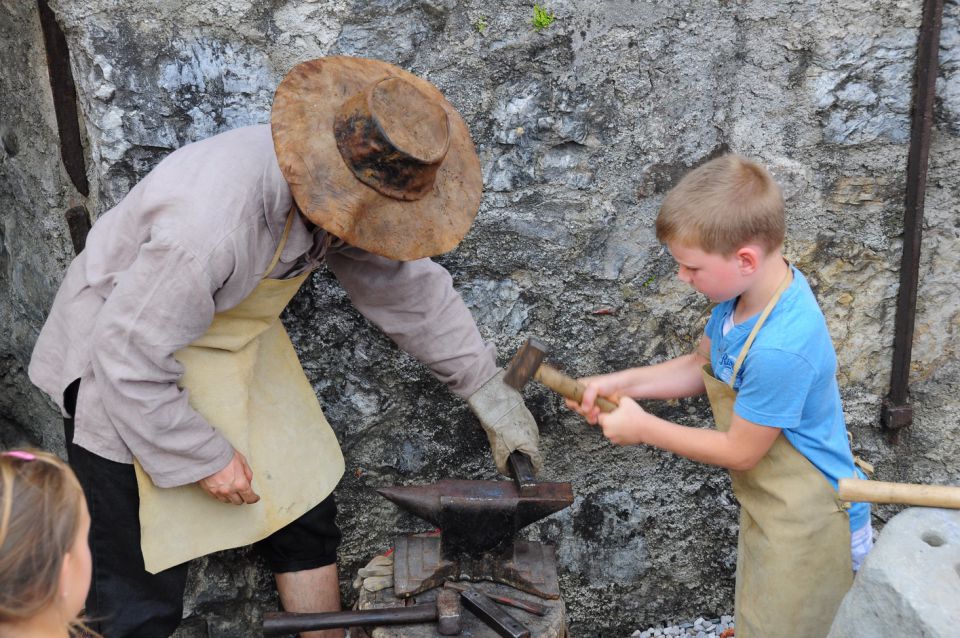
<point x="41" y="504"/>
<point x="723" y="205"/>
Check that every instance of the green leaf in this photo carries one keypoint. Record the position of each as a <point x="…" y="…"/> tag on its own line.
<point x="542" y="17"/>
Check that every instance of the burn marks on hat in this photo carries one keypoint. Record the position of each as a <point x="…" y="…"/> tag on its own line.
<point x="393" y="138"/>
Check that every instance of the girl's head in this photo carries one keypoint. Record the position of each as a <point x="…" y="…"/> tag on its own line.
<point x="44" y="556"/>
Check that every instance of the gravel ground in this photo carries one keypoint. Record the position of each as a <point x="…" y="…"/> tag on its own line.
<point x="699" y="628"/>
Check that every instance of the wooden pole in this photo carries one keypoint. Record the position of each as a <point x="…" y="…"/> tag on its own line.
<point x="856" y="490"/>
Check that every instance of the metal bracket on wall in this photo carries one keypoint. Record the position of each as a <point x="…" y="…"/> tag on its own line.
<point x="896" y="411"/>
<point x="64" y="98"/>
<point x="78" y="221"/>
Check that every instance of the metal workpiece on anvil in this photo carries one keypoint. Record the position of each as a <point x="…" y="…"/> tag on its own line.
<point x="478" y="522"/>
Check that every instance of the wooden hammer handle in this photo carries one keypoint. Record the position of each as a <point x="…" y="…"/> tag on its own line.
<point x="568" y="387"/>
<point x="857" y="490"/>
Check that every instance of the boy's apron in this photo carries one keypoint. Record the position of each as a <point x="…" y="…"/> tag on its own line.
<point x="793" y="552"/>
<point x="244" y="378"/>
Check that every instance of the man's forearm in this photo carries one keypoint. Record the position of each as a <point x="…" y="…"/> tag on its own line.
<point x="416" y="305"/>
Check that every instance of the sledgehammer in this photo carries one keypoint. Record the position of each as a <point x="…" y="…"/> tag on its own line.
<point x="528" y="363"/>
<point x="446" y="611"/>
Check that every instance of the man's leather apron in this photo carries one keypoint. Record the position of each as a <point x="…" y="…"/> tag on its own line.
<point x="793" y="553"/>
<point x="245" y="379"/>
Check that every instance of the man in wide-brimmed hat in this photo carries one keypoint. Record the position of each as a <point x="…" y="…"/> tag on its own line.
<point x="189" y="420"/>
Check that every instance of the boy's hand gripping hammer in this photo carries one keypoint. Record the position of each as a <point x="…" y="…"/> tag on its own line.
<point x="528" y="363"/>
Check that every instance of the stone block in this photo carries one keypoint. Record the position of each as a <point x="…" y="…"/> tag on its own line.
<point x="909" y="584"/>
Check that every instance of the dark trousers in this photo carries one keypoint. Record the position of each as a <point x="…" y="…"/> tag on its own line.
<point x="125" y="600"/>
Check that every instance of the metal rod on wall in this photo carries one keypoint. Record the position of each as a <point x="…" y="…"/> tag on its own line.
<point x="896" y="412"/>
<point x="64" y="98"/>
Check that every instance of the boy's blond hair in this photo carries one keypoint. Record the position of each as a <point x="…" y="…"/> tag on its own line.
<point x="723" y="205"/>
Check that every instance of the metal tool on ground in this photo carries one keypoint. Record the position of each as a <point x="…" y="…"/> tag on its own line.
<point x="856" y="490"/>
<point x="497" y="619"/>
<point x="528" y="363"/>
<point x="479" y="520"/>
<point x="446" y="611"/>
<point x="526" y="605"/>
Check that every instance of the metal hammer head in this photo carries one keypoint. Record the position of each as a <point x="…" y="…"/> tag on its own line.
<point x="525" y="363"/>
<point x="449" y="614"/>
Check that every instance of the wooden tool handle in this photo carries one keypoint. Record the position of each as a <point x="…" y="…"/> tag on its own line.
<point x="856" y="490"/>
<point x="568" y="387"/>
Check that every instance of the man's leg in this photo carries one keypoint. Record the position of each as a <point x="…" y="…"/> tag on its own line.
<point x="124" y="600"/>
<point x="303" y="557"/>
<point x="311" y="590"/>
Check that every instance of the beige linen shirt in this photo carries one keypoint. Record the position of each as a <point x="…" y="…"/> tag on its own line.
<point x="193" y="238"/>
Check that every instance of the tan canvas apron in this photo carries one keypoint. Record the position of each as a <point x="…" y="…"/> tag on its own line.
<point x="245" y="379"/>
<point x="793" y="553"/>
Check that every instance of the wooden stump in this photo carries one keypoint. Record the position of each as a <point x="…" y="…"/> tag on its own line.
<point x="551" y="625"/>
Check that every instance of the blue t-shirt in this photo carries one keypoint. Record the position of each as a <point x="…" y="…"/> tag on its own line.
<point x="788" y="380"/>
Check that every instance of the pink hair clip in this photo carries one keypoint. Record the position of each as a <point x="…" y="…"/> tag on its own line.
<point x="19" y="454"/>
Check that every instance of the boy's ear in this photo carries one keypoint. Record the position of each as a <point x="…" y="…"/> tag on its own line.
<point x="748" y="259"/>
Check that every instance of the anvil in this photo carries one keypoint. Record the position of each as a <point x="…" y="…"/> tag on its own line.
<point x="479" y="520"/>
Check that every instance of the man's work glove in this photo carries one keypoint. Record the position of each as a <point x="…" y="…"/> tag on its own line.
<point x="377" y="575"/>
<point x="507" y="421"/>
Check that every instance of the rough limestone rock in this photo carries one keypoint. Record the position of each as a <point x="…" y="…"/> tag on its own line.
<point x="909" y="584"/>
<point x="581" y="127"/>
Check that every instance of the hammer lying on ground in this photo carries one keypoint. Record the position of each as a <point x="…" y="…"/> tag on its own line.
<point x="528" y="363"/>
<point x="446" y="610"/>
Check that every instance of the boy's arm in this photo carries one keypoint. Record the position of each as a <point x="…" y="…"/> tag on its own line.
<point x="739" y="448"/>
<point x="674" y="379"/>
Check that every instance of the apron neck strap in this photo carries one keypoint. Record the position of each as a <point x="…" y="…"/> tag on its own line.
<point x="283" y="241"/>
<point x="784" y="284"/>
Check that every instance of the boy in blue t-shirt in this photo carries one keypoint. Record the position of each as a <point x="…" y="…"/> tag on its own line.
<point x="769" y="368"/>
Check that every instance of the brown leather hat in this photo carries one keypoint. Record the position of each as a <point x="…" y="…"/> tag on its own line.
<point x="376" y="156"/>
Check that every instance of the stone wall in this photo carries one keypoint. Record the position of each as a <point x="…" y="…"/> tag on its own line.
<point x="581" y="127"/>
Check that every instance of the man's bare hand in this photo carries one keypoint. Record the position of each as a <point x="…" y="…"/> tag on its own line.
<point x="232" y="484"/>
